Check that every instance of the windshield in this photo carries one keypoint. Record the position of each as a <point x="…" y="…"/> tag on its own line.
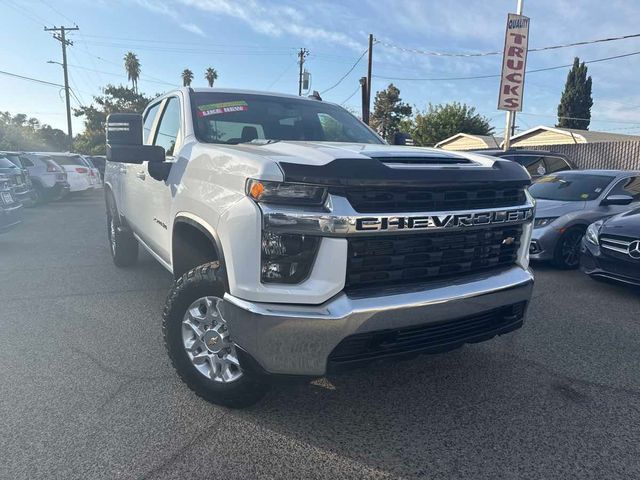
<point x="570" y="187"/>
<point x="241" y="118"/>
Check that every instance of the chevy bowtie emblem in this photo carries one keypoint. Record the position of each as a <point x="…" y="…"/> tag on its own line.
<point x="509" y="241"/>
<point x="634" y="249"/>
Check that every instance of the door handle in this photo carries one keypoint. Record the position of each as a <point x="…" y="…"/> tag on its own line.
<point x="141" y="175"/>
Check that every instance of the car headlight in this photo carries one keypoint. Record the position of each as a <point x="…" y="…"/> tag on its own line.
<point x="286" y="193"/>
<point x="287" y="258"/>
<point x="543" y="222"/>
<point x="593" y="231"/>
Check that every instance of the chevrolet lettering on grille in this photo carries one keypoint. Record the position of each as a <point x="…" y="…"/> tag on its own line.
<point x="429" y="222"/>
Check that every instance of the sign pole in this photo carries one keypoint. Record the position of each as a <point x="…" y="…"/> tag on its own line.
<point x="513" y="70"/>
<point x="512" y="120"/>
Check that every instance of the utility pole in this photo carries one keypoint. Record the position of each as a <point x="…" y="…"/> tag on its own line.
<point x="364" y="93"/>
<point x="60" y="36"/>
<point x="510" y="123"/>
<point x="302" y="54"/>
<point x="369" y="66"/>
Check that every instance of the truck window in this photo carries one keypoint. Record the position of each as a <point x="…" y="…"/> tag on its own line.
<point x="169" y="127"/>
<point x="148" y="123"/>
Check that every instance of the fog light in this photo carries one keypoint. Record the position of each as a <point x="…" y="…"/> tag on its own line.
<point x="287" y="258"/>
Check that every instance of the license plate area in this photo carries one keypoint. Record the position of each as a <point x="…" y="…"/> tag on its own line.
<point x="7" y="198"/>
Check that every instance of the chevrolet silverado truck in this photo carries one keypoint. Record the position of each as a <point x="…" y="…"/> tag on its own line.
<point x="302" y="244"/>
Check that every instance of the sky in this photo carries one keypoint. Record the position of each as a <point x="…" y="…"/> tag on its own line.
<point x="253" y="44"/>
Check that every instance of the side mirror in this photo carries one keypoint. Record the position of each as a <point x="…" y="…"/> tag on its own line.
<point x="401" y="138"/>
<point x="124" y="140"/>
<point x="617" y="200"/>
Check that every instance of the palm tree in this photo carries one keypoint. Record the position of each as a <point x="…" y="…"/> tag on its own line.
<point x="211" y="75"/>
<point x="132" y="66"/>
<point x="187" y="76"/>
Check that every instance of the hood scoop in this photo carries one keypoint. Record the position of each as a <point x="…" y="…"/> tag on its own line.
<point x="414" y="161"/>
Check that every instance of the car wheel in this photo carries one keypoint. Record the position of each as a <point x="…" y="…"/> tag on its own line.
<point x="567" y="253"/>
<point x="200" y="344"/>
<point x="39" y="196"/>
<point x="122" y="244"/>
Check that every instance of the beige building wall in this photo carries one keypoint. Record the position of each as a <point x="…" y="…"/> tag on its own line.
<point x="464" y="143"/>
<point x="545" y="137"/>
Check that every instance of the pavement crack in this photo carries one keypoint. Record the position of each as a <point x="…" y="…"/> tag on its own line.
<point x="108" y="369"/>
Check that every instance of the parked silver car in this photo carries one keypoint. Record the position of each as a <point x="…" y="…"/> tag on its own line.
<point x="567" y="202"/>
<point x="49" y="179"/>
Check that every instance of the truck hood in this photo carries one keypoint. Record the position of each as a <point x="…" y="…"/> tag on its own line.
<point x="321" y="153"/>
<point x="351" y="164"/>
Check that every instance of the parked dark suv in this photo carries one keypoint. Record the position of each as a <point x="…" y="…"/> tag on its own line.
<point x="10" y="214"/>
<point x="20" y="180"/>
<point x="537" y="162"/>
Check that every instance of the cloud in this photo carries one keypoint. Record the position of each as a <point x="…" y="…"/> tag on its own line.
<point x="278" y="19"/>
<point x="190" y="27"/>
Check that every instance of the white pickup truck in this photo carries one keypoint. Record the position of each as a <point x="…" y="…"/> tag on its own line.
<point x="302" y="244"/>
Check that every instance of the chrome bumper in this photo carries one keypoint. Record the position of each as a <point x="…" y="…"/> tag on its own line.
<point x="298" y="339"/>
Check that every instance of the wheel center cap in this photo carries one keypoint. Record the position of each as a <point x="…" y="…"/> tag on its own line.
<point x="213" y="341"/>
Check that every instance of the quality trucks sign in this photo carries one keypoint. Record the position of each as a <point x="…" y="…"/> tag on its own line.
<point x="514" y="62"/>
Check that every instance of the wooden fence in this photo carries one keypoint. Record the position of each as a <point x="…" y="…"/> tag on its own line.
<point x="605" y="155"/>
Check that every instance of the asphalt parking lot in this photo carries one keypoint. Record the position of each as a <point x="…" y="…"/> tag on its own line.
<point x="88" y="390"/>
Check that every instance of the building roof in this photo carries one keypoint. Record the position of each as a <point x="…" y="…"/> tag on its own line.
<point x="489" y="140"/>
<point x="578" y="136"/>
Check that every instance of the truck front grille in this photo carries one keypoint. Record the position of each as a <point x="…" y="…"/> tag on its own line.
<point x="384" y="260"/>
<point x="436" y="337"/>
<point x="396" y="200"/>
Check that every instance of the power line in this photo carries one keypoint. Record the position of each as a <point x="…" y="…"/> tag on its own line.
<point x="476" y="77"/>
<point x="346" y="74"/>
<point x="486" y="54"/>
<point x="26" y="12"/>
<point x="31" y="79"/>
<point x="351" y="96"/>
<point x="55" y="10"/>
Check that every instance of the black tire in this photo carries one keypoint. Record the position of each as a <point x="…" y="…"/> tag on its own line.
<point x="200" y="282"/>
<point x="567" y="253"/>
<point x="39" y="195"/>
<point x="122" y="244"/>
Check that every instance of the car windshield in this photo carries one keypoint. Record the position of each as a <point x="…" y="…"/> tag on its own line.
<point x="241" y="118"/>
<point x="15" y="159"/>
<point x="570" y="187"/>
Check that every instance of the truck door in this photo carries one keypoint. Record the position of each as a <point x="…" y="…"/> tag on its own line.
<point x="156" y="195"/>
<point x="129" y="174"/>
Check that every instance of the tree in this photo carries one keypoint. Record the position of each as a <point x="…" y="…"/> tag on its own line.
<point x="576" y="100"/>
<point x="211" y="76"/>
<point x="132" y="66"/>
<point x="442" y="121"/>
<point x="388" y="112"/>
<point x="187" y="76"/>
<point x="114" y="99"/>
<point x="18" y="132"/>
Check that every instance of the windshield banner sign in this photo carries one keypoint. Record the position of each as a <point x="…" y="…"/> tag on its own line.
<point x="514" y="62"/>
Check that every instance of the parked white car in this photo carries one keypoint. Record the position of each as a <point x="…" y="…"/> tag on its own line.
<point x="79" y="175"/>
<point x="94" y="173"/>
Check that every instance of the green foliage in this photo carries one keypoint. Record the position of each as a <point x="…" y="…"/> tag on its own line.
<point x="211" y="75"/>
<point x="388" y="112"/>
<point x="116" y="99"/>
<point x="442" y="121"/>
<point x="18" y="132"/>
<point x="576" y="100"/>
<point x="187" y="77"/>
<point x="132" y="66"/>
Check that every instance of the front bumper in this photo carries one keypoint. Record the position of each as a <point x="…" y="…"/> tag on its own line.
<point x="595" y="263"/>
<point x="10" y="217"/>
<point x="300" y="339"/>
<point x="543" y="243"/>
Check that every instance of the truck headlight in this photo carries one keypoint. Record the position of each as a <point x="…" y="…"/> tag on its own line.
<point x="593" y="231"/>
<point x="287" y="258"/>
<point x="543" y="222"/>
<point x="286" y="193"/>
